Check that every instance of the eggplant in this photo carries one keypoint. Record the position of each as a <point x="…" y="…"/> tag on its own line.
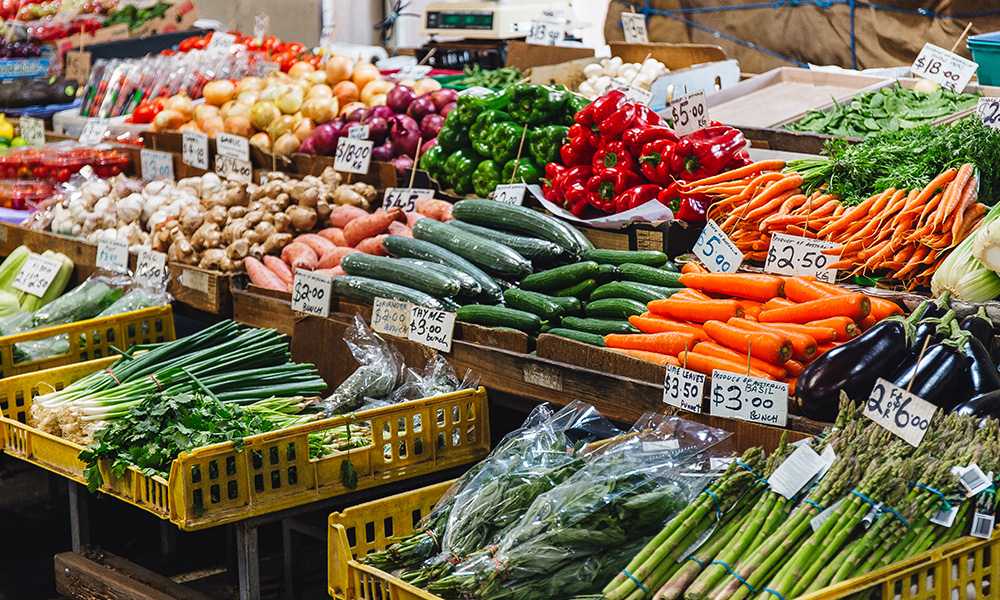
<point x="980" y="326"/>
<point x="983" y="405"/>
<point x="935" y="377"/>
<point x="938" y="307"/>
<point x="981" y="376"/>
<point x="937" y="329"/>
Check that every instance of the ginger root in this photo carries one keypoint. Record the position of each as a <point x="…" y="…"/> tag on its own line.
<point x="207" y="236"/>
<point x="303" y="219"/>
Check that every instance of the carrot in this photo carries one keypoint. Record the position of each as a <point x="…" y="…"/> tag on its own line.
<point x="345" y="213"/>
<point x="772" y="205"/>
<point x="953" y="194"/>
<point x="650" y="323"/>
<point x="707" y="364"/>
<point x="333" y="257"/>
<point x="372" y="245"/>
<point x="691" y="294"/>
<point x="698" y="311"/>
<point x="968" y="196"/>
<point x="299" y="256"/>
<point x="660" y="359"/>
<point x="794" y="367"/>
<point x="335" y="235"/>
<point x="772" y="191"/>
<point x="751" y="308"/>
<point x="713" y="349"/>
<point x="751" y="169"/>
<point x="279" y="268"/>
<point x="262" y="276"/>
<point x="822" y="335"/>
<point x="810" y="288"/>
<point x="369" y="225"/>
<point x="694" y="267"/>
<point x="845" y="327"/>
<point x="824" y="348"/>
<point x="397" y="228"/>
<point x="319" y="244"/>
<point x="669" y="342"/>
<point x="937" y="184"/>
<point x="751" y="286"/>
<point x="439" y="210"/>
<point x="803" y="345"/>
<point x="771" y="347"/>
<point x="791" y="381"/>
<point x="867" y="323"/>
<point x="774" y="303"/>
<point x="855" y="306"/>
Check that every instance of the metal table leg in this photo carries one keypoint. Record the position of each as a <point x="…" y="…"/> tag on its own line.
<point x="248" y="561"/>
<point x="168" y="541"/>
<point x="290" y="554"/>
<point x="79" y="516"/>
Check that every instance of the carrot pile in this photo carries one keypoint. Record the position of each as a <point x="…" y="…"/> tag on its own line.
<point x="762" y="325"/>
<point x="902" y="234"/>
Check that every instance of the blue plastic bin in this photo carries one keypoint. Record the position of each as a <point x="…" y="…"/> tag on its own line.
<point x="985" y="49"/>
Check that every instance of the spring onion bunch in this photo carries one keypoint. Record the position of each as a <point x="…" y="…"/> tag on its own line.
<point x="964" y="273"/>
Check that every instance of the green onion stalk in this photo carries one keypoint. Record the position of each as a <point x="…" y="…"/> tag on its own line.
<point x="963" y="274"/>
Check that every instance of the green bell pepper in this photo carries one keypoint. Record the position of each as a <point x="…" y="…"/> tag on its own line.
<point x="454" y="134"/>
<point x="486" y="178"/>
<point x="459" y="168"/>
<point x="525" y="170"/>
<point x="469" y="107"/>
<point x="479" y="133"/>
<point x="432" y="161"/>
<point x="574" y="104"/>
<point x="533" y="104"/>
<point x="504" y="140"/>
<point x="544" y="143"/>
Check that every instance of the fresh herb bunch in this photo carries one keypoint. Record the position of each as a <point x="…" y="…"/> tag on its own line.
<point x="492" y="78"/>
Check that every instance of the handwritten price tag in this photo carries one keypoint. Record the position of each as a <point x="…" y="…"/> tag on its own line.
<point x="220" y="43"/>
<point x="36" y="275"/>
<point x="431" y="327"/>
<point x="77" y="65"/>
<point x="716" y="251"/>
<point x="358" y="132"/>
<point x="261" y="22"/>
<point x="988" y="110"/>
<point x="689" y="112"/>
<point x="945" y="68"/>
<point x="156" y="165"/>
<point x="93" y="132"/>
<point x="151" y="267"/>
<point x="353" y="156"/>
<point x="413" y="72"/>
<point x="475" y="90"/>
<point x="793" y="255"/>
<point x="546" y="32"/>
<point x="634" y="26"/>
<point x="233" y="169"/>
<point x="683" y="388"/>
<point x="736" y="396"/>
<point x="405" y="198"/>
<point x="195" y="149"/>
<point x="33" y="131"/>
<point x="112" y="255"/>
<point x="233" y="146"/>
<point x="899" y="411"/>
<point x="633" y="93"/>
<point x="311" y="293"/>
<point x="510" y="193"/>
<point x="390" y="317"/>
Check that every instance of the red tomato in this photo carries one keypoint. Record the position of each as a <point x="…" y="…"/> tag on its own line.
<point x="270" y="43"/>
<point x="145" y="113"/>
<point x="188" y="44"/>
<point x="159" y="102"/>
<point x="315" y="60"/>
<point x="284" y="60"/>
<point x="294" y="48"/>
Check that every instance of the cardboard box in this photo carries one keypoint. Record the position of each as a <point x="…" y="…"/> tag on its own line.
<point x="520" y="54"/>
<point x="671" y="237"/>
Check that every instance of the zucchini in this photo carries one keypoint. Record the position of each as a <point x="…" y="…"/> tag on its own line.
<point x="571" y="305"/>
<point x="560" y="277"/>
<point x="581" y="290"/>
<point x="599" y="326"/>
<point x="490" y="213"/>
<point x="487" y="255"/>
<point x="499" y="316"/>
<point x="614" y="308"/>
<point x="594" y="339"/>
<point x="534" y="303"/>
<point x="652" y="258"/>
<point x="528" y="247"/>
<point x="626" y="289"/>
<point x="365" y="289"/>
<point x="390" y="269"/>
<point x="398" y="245"/>
<point x="469" y="286"/>
<point x="606" y="273"/>
<point x="649" y="275"/>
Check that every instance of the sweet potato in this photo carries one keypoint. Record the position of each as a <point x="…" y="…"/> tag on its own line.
<point x="345" y="213"/>
<point x="279" y="268"/>
<point x="335" y="235"/>
<point x="262" y="276"/>
<point x="333" y="257"/>
<point x="439" y="210"/>
<point x="368" y="225"/>
<point x="320" y="245"/>
<point x="373" y="245"/>
<point x="413" y="217"/>
<point x="299" y="256"/>
<point x="397" y="228"/>
<point x="338" y="270"/>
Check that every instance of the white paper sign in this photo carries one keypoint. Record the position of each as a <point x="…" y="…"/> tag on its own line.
<point x="512" y="193"/>
<point x="689" y="112"/>
<point x="151" y="266"/>
<point x="93" y="132"/>
<point x="794" y="255"/>
<point x="233" y="146"/>
<point x="736" y="396"/>
<point x="405" y="198"/>
<point x="546" y="32"/>
<point x="220" y="43"/>
<point x="982" y="525"/>
<point x="194" y="147"/>
<point x="234" y="169"/>
<point x="112" y="255"/>
<point x="33" y="131"/>
<point x="36" y="275"/>
<point x="156" y="165"/>
<point x="475" y="90"/>
<point x="633" y="93"/>
<point x="716" y="251"/>
<point x="431" y="327"/>
<point x="943" y="67"/>
<point x="796" y="471"/>
<point x="634" y="26"/>
<point x="413" y="72"/>
<point x="390" y="317"/>
<point x="260" y="24"/>
<point x="311" y="293"/>
<point x="988" y="110"/>
<point x="358" y="132"/>
<point x="683" y="388"/>
<point x="353" y="156"/>
<point x="899" y="411"/>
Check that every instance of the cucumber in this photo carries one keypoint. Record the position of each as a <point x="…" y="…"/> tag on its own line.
<point x="671" y="267"/>
<point x="534" y="303"/>
<point x="449" y="304"/>
<point x="652" y="258"/>
<point x="390" y="269"/>
<point x="649" y="275"/>
<point x="469" y="286"/>
<point x="571" y="305"/>
<point x="546" y="327"/>
<point x="490" y="213"/>
<point x="560" y="277"/>
<point x="599" y="326"/>
<point x="626" y="289"/>
<point x="665" y="292"/>
<point x="581" y="290"/>
<point x="614" y="308"/>
<point x="505" y="284"/>
<point x="606" y="273"/>
<point x="366" y="289"/>
<point x="487" y="255"/>
<point x="499" y="316"/>
<point x="528" y="247"/>
<point x="398" y="245"/>
<point x="580" y="336"/>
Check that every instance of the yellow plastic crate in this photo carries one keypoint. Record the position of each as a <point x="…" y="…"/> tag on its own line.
<point x="216" y="484"/>
<point x="966" y="569"/>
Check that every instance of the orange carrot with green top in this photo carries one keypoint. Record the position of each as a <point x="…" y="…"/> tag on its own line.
<point x="772" y="347"/>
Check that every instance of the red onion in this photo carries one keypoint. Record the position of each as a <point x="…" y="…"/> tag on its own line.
<point x="446" y="109"/>
<point x="308" y="146"/>
<point x="357" y="115"/>
<point x="325" y="137"/>
<point x="381" y="111"/>
<point x="430" y="125"/>
<point x="378" y="129"/>
<point x="421" y="107"/>
<point x="399" y="98"/>
<point x="428" y="145"/>
<point x="403" y="164"/>
<point x="383" y="153"/>
<point x="443" y="97"/>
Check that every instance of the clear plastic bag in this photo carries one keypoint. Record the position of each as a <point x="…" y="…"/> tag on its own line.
<point x="376" y="378"/>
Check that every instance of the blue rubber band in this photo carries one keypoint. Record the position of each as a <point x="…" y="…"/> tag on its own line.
<point x="945" y="505"/>
<point x="697" y="561"/>
<point x="637" y="582"/>
<point x="734" y="574"/>
<point x="718" y="511"/>
<point x="748" y="468"/>
<point x="818" y="507"/>
<point x="773" y="593"/>
<point x="863" y="497"/>
<point x="898" y="516"/>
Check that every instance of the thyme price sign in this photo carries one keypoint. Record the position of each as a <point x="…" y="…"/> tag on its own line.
<point x="431" y="327"/>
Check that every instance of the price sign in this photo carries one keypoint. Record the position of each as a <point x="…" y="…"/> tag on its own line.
<point x="93" y="132"/>
<point x="326" y="35"/>
<point x="431" y="327"/>
<point x="405" y="198"/>
<point x="77" y="65"/>
<point x="546" y="32"/>
<point x="220" y="43"/>
<point x="390" y="317"/>
<point x="634" y="25"/>
<point x="899" y="411"/>
<point x="112" y="255"/>
<point x="736" y="396"/>
<point x="151" y="267"/>
<point x="689" y="112"/>
<point x="353" y="156"/>
<point x="945" y="68"/>
<point x="36" y="275"/>
<point x="413" y="72"/>
<point x="475" y="90"/>
<point x="683" y="388"/>
<point x="988" y="110"/>
<point x="233" y="146"/>
<point x="194" y="147"/>
<point x="260" y="25"/>
<point x="633" y="93"/>
<point x="358" y="132"/>
<point x="716" y="251"/>
<point x="264" y="67"/>
<point x="33" y="131"/>
<point x="156" y="165"/>
<point x="233" y="169"/>
<point x="796" y="471"/>
<point x="794" y="255"/>
<point x="510" y="193"/>
<point x="311" y="293"/>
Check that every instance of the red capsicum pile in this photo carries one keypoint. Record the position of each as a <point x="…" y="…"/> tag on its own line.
<point x="619" y="155"/>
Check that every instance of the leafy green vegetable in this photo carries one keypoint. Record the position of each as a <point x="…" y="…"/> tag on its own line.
<point x="493" y="78"/>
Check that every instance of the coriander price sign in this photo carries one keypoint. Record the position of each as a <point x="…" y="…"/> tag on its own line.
<point x="683" y="388"/>
<point x="899" y="411"/>
<point x="716" y="251"/>
<point x="112" y="255"/>
<point x="353" y="156"/>
<point x="390" y="317"/>
<point x="794" y="255"/>
<point x="431" y="327"/>
<point x="405" y="198"/>
<point x="36" y="275"/>
<point x="945" y="68"/>
<point x="736" y="396"/>
<point x="311" y="293"/>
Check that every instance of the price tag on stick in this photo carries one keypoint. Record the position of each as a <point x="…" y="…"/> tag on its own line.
<point x="716" y="251"/>
<point x="112" y="255"/>
<point x="77" y="65"/>
<point x="33" y="131"/>
<point x="220" y="43"/>
<point x="36" y="275"/>
<point x="634" y="26"/>
<point x="512" y="193"/>
<point x="233" y="146"/>
<point x="391" y="317"/>
<point x="311" y="293"/>
<point x="353" y="156"/>
<point x="988" y="110"/>
<point x="156" y="165"/>
<point x="689" y="112"/>
<point x="358" y="132"/>
<point x="736" y="396"/>
<point x="683" y="388"/>
<point x="413" y="72"/>
<point x="431" y="327"/>
<point x="899" y="411"/>
<point x="233" y="169"/>
<point x="151" y="267"/>
<point x="405" y="198"/>
<point x="195" y="149"/>
<point x="546" y="32"/>
<point x="93" y="132"/>
<point x="794" y="255"/>
<point x="633" y="93"/>
<point x="945" y="68"/>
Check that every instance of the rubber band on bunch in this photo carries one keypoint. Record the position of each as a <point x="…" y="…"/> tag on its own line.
<point x="110" y="372"/>
<point x="492" y="549"/>
<point x="945" y="505"/>
<point x="818" y="507"/>
<point x="865" y="498"/>
<point x="734" y="574"/>
<point x="637" y="582"/>
<point x="718" y="509"/>
<point x="754" y="473"/>
<point x="695" y="559"/>
<point x="773" y="593"/>
<point x="497" y="563"/>
<point x="433" y="537"/>
<point x="454" y="558"/>
<point x="157" y="381"/>
<point x="893" y="512"/>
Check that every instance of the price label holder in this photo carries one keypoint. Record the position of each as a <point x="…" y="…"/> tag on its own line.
<point x="942" y="67"/>
<point x="974" y="480"/>
<point x="353" y="156"/>
<point x="36" y="275"/>
<point x="546" y="32"/>
<point x="475" y="90"/>
<point x="736" y="396"/>
<point x="391" y="317"/>
<point x="77" y="65"/>
<point x="311" y="293"/>
<point x="633" y="93"/>
<point x="899" y="411"/>
<point x="260" y="25"/>
<point x="510" y="193"/>
<point x="326" y="36"/>
<point x="405" y="198"/>
<point x="634" y="26"/>
<point x="156" y="165"/>
<point x="33" y="131"/>
<point x="413" y="72"/>
<point x="796" y="471"/>
<point x="988" y="110"/>
<point x="689" y="112"/>
<point x="233" y="169"/>
<point x="265" y="67"/>
<point x="683" y="388"/>
<point x="431" y="327"/>
<point x="194" y="149"/>
<point x="358" y="132"/>
<point x="112" y="255"/>
<point x="220" y="43"/>
<point x="93" y="132"/>
<point x="233" y="146"/>
<point x="794" y="255"/>
<point x="151" y="267"/>
<point x="716" y="251"/>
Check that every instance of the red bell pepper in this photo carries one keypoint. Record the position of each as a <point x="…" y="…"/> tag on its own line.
<point x="579" y="148"/>
<point x="552" y="184"/>
<point x="706" y="152"/>
<point x="636" y="196"/>
<point x="741" y="159"/>
<point x="572" y="188"/>
<point x="614" y="154"/>
<point x="577" y="199"/>
<point x="637" y="137"/>
<point x="587" y="136"/>
<point x="685" y="206"/>
<point x="606" y="105"/>
<point x="585" y="117"/>
<point x="604" y="187"/>
<point x="647" y="117"/>
<point x="655" y="162"/>
<point x="615" y="125"/>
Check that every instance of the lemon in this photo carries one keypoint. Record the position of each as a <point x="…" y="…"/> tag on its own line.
<point x="6" y="129"/>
